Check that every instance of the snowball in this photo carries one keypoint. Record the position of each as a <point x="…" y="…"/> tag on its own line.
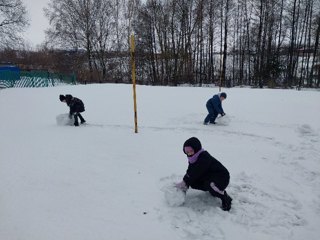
<point x="225" y="120"/>
<point x="64" y="120"/>
<point x="174" y="196"/>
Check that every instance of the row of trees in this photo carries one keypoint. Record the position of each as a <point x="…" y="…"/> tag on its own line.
<point x="226" y="42"/>
<point x="235" y="42"/>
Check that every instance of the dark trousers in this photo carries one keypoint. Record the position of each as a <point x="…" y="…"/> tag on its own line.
<point x="212" y="113"/>
<point x="205" y="185"/>
<point x="216" y="190"/>
<point x="76" y="115"/>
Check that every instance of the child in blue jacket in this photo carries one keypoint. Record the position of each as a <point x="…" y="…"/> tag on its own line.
<point x="214" y="106"/>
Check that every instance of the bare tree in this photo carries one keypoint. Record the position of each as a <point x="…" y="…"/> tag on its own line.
<point x="102" y="33"/>
<point x="211" y="18"/>
<point x="72" y="25"/>
<point x="316" y="53"/>
<point x="13" y="21"/>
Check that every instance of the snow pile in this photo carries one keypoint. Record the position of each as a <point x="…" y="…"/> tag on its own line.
<point x="64" y="120"/>
<point x="174" y="196"/>
<point x="225" y="120"/>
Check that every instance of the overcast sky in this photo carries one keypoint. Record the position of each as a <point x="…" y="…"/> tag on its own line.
<point x="38" y="22"/>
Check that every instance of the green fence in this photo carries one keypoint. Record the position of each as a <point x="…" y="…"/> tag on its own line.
<point x="10" y="79"/>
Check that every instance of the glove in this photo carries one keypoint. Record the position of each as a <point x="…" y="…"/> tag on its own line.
<point x="222" y="114"/>
<point x="182" y="186"/>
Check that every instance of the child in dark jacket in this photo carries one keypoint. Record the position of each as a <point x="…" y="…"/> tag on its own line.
<point x="214" y="107"/>
<point x="205" y="173"/>
<point x="76" y="107"/>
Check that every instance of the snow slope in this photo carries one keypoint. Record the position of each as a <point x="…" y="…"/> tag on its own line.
<point x="102" y="181"/>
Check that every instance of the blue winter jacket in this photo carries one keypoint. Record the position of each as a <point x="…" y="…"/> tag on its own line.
<point x="215" y="103"/>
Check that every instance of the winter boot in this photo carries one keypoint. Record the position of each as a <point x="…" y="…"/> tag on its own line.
<point x="76" y="123"/>
<point x="226" y="201"/>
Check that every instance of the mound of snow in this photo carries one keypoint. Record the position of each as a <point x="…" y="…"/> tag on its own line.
<point x="64" y="120"/>
<point x="225" y="120"/>
<point x="174" y="196"/>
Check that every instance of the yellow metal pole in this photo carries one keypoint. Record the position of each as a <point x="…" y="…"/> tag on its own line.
<point x="133" y="75"/>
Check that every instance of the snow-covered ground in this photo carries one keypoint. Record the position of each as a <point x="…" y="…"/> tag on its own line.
<point x="104" y="182"/>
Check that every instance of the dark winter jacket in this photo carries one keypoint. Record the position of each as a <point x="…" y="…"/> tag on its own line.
<point x="75" y="104"/>
<point x="207" y="169"/>
<point x="215" y="103"/>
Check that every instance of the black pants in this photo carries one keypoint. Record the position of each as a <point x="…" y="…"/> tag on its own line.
<point x="212" y="113"/>
<point x="76" y="115"/>
<point x="205" y="185"/>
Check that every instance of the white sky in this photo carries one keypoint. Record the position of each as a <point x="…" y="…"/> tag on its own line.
<point x="38" y="22"/>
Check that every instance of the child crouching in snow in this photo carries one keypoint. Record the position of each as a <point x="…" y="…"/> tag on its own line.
<point x="76" y="107"/>
<point x="205" y="173"/>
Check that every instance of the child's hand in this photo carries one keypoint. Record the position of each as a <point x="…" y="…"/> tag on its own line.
<point x="182" y="186"/>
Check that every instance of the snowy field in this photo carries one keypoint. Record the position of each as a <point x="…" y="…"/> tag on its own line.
<point x="102" y="181"/>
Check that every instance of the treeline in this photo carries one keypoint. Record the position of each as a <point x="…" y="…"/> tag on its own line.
<point x="257" y="43"/>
